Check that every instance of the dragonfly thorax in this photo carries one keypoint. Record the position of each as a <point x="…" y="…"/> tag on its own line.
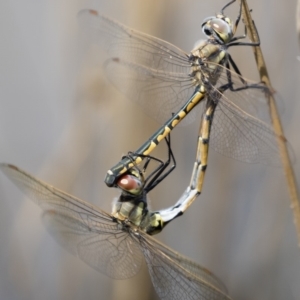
<point x="136" y="213"/>
<point x="218" y="28"/>
<point x="205" y="60"/>
<point x="132" y="208"/>
<point x="129" y="210"/>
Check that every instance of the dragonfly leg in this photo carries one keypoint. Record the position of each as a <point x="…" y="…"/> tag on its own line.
<point x="246" y="86"/>
<point x="240" y="37"/>
<point x="160" y="172"/>
<point x="231" y="62"/>
<point x="228" y="4"/>
<point x="230" y="84"/>
<point x="253" y="44"/>
<point x="126" y="163"/>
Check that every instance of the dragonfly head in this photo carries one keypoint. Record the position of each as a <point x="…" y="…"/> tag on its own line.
<point x="219" y="28"/>
<point x="132" y="182"/>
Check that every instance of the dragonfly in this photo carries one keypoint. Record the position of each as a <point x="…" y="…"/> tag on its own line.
<point x="170" y="84"/>
<point x="115" y="244"/>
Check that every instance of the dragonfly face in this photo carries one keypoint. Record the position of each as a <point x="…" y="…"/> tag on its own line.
<point x="132" y="182"/>
<point x="132" y="208"/>
<point x="218" y="28"/>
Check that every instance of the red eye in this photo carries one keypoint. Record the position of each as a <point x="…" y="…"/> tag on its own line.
<point x="128" y="182"/>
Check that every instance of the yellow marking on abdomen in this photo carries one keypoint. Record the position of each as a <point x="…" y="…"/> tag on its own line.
<point x="200" y="180"/>
<point x="164" y="134"/>
<point x="150" y="148"/>
<point x="181" y="115"/>
<point x="124" y="170"/>
<point x="198" y="96"/>
<point x="138" y="160"/>
<point x="204" y="152"/>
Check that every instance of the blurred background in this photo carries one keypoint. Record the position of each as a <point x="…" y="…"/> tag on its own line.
<point x="62" y="121"/>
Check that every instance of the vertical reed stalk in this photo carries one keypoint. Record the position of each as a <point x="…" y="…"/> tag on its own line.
<point x="286" y="162"/>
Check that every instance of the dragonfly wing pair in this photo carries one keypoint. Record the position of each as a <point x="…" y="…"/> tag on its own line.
<point x="149" y="71"/>
<point x="158" y="76"/>
<point x="112" y="248"/>
<point x="80" y="227"/>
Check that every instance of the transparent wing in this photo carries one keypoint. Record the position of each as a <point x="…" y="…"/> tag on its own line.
<point x="113" y="253"/>
<point x="195" y="269"/>
<point x="177" y="278"/>
<point x="155" y="74"/>
<point x="241" y="127"/>
<point x="158" y="93"/>
<point x="148" y="70"/>
<point x="83" y="229"/>
<point x="128" y="44"/>
<point x="252" y="100"/>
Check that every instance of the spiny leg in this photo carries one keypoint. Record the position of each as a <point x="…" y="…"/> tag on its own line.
<point x="238" y="17"/>
<point x="233" y="40"/>
<point x="158" y="174"/>
<point x="126" y="163"/>
<point x="236" y="26"/>
<point x="228" y="4"/>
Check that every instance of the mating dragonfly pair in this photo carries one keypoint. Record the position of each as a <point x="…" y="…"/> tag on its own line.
<point x="168" y="84"/>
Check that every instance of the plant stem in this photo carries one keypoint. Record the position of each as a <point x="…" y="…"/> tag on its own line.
<point x="285" y="159"/>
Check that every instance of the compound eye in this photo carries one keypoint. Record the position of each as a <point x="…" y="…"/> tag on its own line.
<point x="129" y="182"/>
<point x="221" y="27"/>
<point x="206" y="20"/>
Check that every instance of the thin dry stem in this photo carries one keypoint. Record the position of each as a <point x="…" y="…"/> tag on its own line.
<point x="286" y="162"/>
